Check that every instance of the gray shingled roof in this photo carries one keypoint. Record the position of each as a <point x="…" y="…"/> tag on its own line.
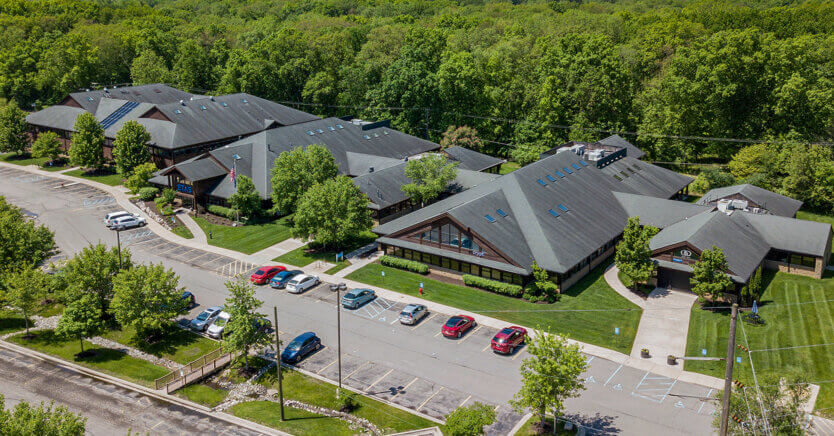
<point x="198" y="169"/>
<point x="658" y="212"/>
<point x="646" y="179"/>
<point x="155" y="93"/>
<point x="556" y="243"/>
<point x="471" y="159"/>
<point x="57" y="117"/>
<point x="619" y="141"/>
<point x="775" y="203"/>
<point x="788" y="234"/>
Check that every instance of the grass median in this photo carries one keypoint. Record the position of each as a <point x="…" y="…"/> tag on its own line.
<point x="306" y="255"/>
<point x="202" y="394"/>
<point x="249" y="238"/>
<point x="298" y="422"/>
<point x="106" y="360"/>
<point x="798" y="312"/>
<point x="589" y="311"/>
<point x="106" y="176"/>
<point x="181" y="346"/>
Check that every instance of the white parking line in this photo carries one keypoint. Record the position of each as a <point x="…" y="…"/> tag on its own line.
<point x="395" y="320"/>
<point x="429" y="398"/>
<point x="464" y="401"/>
<point x="425" y="321"/>
<point x="328" y="366"/>
<point x="709" y="395"/>
<point x="486" y="348"/>
<point x="379" y="380"/>
<point x="470" y="334"/>
<point x="410" y="383"/>
<point x="357" y="369"/>
<point x="612" y="375"/>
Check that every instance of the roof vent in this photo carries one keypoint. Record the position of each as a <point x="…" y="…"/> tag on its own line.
<point x="182" y="102"/>
<point x="370" y="169"/>
<point x="211" y="97"/>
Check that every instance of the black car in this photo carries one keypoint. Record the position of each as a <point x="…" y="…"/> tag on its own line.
<point x="300" y="347"/>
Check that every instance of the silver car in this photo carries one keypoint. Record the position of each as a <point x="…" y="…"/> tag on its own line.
<point x="216" y="328"/>
<point x="301" y="283"/>
<point x="355" y="298"/>
<point x="413" y="313"/>
<point x="205" y="318"/>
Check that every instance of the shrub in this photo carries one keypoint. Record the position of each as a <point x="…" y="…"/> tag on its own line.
<point x="160" y="202"/>
<point x="347" y="401"/>
<point x="492" y="285"/>
<point x="148" y="194"/>
<point x="168" y="195"/>
<point x="222" y="211"/>
<point x="408" y="265"/>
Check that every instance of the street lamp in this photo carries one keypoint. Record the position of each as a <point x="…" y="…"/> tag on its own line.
<point x="235" y="158"/>
<point x="119" y="244"/>
<point x="336" y="288"/>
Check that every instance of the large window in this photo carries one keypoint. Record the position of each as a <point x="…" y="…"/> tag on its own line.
<point x="806" y="261"/>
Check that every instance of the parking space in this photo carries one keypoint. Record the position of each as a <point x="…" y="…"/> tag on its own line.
<point x="235" y="268"/>
<point x="443" y="402"/>
<point x="369" y="376"/>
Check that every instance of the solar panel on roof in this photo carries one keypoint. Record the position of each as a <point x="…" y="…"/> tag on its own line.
<point x="558" y="173"/>
<point x="118" y="114"/>
<point x="567" y="170"/>
<point x="563" y="208"/>
<point x="583" y="163"/>
<point x="576" y="166"/>
<point x="551" y="178"/>
<point x="489" y="218"/>
<point x="501" y="213"/>
<point x="541" y="182"/>
<point x="553" y="212"/>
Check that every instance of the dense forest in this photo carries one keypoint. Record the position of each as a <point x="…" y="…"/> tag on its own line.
<point x="525" y="74"/>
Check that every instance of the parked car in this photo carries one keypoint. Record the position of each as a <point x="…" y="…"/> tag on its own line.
<point x="300" y="347"/>
<point x="263" y="324"/>
<point x="457" y="325"/>
<point x="355" y="298"/>
<point x="413" y="313"/>
<point x="189" y="299"/>
<point x="205" y="318"/>
<point x="301" y="283"/>
<point x="112" y="216"/>
<point x="216" y="328"/>
<point x="265" y="273"/>
<point x="506" y="341"/>
<point x="279" y="281"/>
<point x="127" y="222"/>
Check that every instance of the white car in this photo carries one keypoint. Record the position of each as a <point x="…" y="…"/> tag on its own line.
<point x="128" y="222"/>
<point x="216" y="328"/>
<point x="112" y="216"/>
<point x="301" y="283"/>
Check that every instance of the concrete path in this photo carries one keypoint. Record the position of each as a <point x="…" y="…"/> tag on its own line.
<point x="267" y="254"/>
<point x="821" y="426"/>
<point x="664" y="325"/>
<point x="613" y="280"/>
<point x="357" y="263"/>
<point x="659" y="367"/>
<point x="192" y="225"/>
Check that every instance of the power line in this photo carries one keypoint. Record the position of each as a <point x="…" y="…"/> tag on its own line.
<point x="755" y="380"/>
<point x="793" y="347"/>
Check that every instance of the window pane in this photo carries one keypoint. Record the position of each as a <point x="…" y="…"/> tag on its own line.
<point x="444" y="262"/>
<point x="435" y="235"/>
<point x="453" y="264"/>
<point x="435" y="260"/>
<point x="486" y="272"/>
<point x="464" y="267"/>
<point x="465" y="242"/>
<point x="454" y="236"/>
<point x="476" y="269"/>
<point x="496" y="275"/>
<point x="444" y="234"/>
<point x="475" y="246"/>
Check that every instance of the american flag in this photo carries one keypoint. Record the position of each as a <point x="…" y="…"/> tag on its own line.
<point x="232" y="176"/>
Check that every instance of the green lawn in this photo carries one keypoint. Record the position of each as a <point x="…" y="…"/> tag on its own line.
<point x="787" y="324"/>
<point x="305" y="255"/>
<point x="527" y="430"/>
<point x="23" y="159"/>
<point x="181" y="346"/>
<point x="306" y="389"/>
<point x="298" y="422"/>
<point x="827" y="219"/>
<point x="589" y="293"/>
<point x="642" y="288"/>
<point x="107" y="360"/>
<point x="183" y="231"/>
<point x="11" y="321"/>
<point x="508" y="167"/>
<point x="202" y="394"/>
<point x="108" y="177"/>
<point x="249" y="238"/>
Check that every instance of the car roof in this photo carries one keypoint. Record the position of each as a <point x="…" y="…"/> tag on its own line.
<point x="304" y="336"/>
<point x="215" y="308"/>
<point x="410" y="307"/>
<point x="301" y="277"/>
<point x="225" y="314"/>
<point x="356" y="291"/>
<point x="121" y="212"/>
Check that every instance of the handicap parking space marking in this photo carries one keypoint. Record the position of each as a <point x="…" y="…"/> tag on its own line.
<point x="709" y="395"/>
<point x="92" y="202"/>
<point x="612" y="375"/>
<point x="654" y="388"/>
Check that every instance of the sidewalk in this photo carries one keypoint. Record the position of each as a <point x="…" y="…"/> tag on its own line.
<point x="192" y="226"/>
<point x="664" y="325"/>
<point x="613" y="280"/>
<point x="267" y="254"/>
<point x="645" y="364"/>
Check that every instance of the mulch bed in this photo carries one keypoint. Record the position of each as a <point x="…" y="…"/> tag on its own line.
<point x="215" y="219"/>
<point x="152" y="207"/>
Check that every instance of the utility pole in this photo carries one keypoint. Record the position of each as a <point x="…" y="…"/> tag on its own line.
<point x="119" y="244"/>
<point x="278" y="361"/>
<point x="337" y="288"/>
<point x="728" y="373"/>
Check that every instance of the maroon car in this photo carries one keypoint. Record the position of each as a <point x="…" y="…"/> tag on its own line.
<point x="457" y="325"/>
<point x="506" y="341"/>
<point x="264" y="274"/>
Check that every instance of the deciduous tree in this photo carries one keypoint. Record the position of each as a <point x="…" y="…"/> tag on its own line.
<point x="296" y="171"/>
<point x="25" y="420"/>
<point x="633" y="256"/>
<point x="87" y="148"/>
<point x="22" y="242"/>
<point x="470" y="420"/>
<point x="13" y="137"/>
<point x="139" y="178"/>
<point x="462" y="136"/>
<point x="149" y="67"/>
<point x="430" y="175"/>
<point x="709" y="274"/>
<point x="552" y="374"/>
<point x="81" y="319"/>
<point x="147" y="297"/>
<point x="332" y="213"/>
<point x="91" y="272"/>
<point x="47" y="145"/>
<point x="244" y="330"/>
<point x="24" y="290"/>
<point x="130" y="147"/>
<point x="783" y="397"/>
<point x="246" y="198"/>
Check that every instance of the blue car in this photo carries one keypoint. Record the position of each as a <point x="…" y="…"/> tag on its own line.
<point x="355" y="298"/>
<point x="280" y="280"/>
<point x="300" y="347"/>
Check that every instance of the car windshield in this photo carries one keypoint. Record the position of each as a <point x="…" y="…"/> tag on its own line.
<point x="453" y="322"/>
<point x="507" y="331"/>
<point x="294" y="345"/>
<point x="259" y="272"/>
<point x="220" y="322"/>
<point x="203" y="316"/>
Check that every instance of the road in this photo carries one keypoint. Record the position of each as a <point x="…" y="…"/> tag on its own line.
<point x="109" y="409"/>
<point x="411" y="366"/>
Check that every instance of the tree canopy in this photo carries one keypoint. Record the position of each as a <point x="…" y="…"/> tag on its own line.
<point x="129" y="147"/>
<point x="332" y="213"/>
<point x="469" y="420"/>
<point x="25" y="419"/>
<point x="22" y="242"/>
<point x="246" y="198"/>
<point x="87" y="148"/>
<point x="92" y="272"/>
<point x="13" y="136"/>
<point x="147" y="297"/>
<point x="24" y="289"/>
<point x="244" y="330"/>
<point x="297" y="171"/>
<point x="47" y="145"/>
<point x="709" y="274"/>
<point x="633" y="256"/>
<point x="430" y="175"/>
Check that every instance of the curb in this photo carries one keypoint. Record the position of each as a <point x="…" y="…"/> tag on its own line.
<point x="521" y="423"/>
<point x="231" y="419"/>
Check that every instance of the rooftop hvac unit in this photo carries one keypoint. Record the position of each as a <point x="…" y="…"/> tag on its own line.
<point x="563" y="149"/>
<point x="579" y="149"/>
<point x="595" y="155"/>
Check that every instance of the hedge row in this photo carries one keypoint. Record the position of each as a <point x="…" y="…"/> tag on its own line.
<point x="493" y="285"/>
<point x="148" y="194"/>
<point x="408" y="265"/>
<point x="225" y="212"/>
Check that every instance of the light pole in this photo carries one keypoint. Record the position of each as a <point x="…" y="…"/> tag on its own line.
<point x="278" y="362"/>
<point x="234" y="180"/>
<point x="119" y="244"/>
<point x="336" y="288"/>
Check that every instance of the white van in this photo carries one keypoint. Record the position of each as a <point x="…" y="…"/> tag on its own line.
<point x="110" y="217"/>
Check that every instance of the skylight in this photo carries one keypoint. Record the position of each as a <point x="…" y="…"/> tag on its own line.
<point x="384" y="132"/>
<point x="583" y="163"/>
<point x="559" y="173"/>
<point x="541" y="182"/>
<point x="635" y="166"/>
<point x="331" y="128"/>
<point x="567" y="170"/>
<point x="624" y="173"/>
<point x="563" y="208"/>
<point x="310" y="132"/>
<point x="576" y="166"/>
<point x="489" y="218"/>
<point x="501" y="213"/>
<point x="618" y="177"/>
<point x="631" y="170"/>
<point x="203" y="107"/>
<point x="366" y="136"/>
<point x="224" y="104"/>
<point x="339" y="126"/>
<point x="376" y="135"/>
<point x="177" y="111"/>
<point x="319" y="131"/>
<point x="244" y="100"/>
<point x="89" y="98"/>
<point x="553" y="212"/>
<point x="551" y="178"/>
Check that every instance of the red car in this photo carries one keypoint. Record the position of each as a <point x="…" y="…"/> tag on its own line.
<point x="264" y="274"/>
<point x="457" y="325"/>
<point x="508" y="339"/>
